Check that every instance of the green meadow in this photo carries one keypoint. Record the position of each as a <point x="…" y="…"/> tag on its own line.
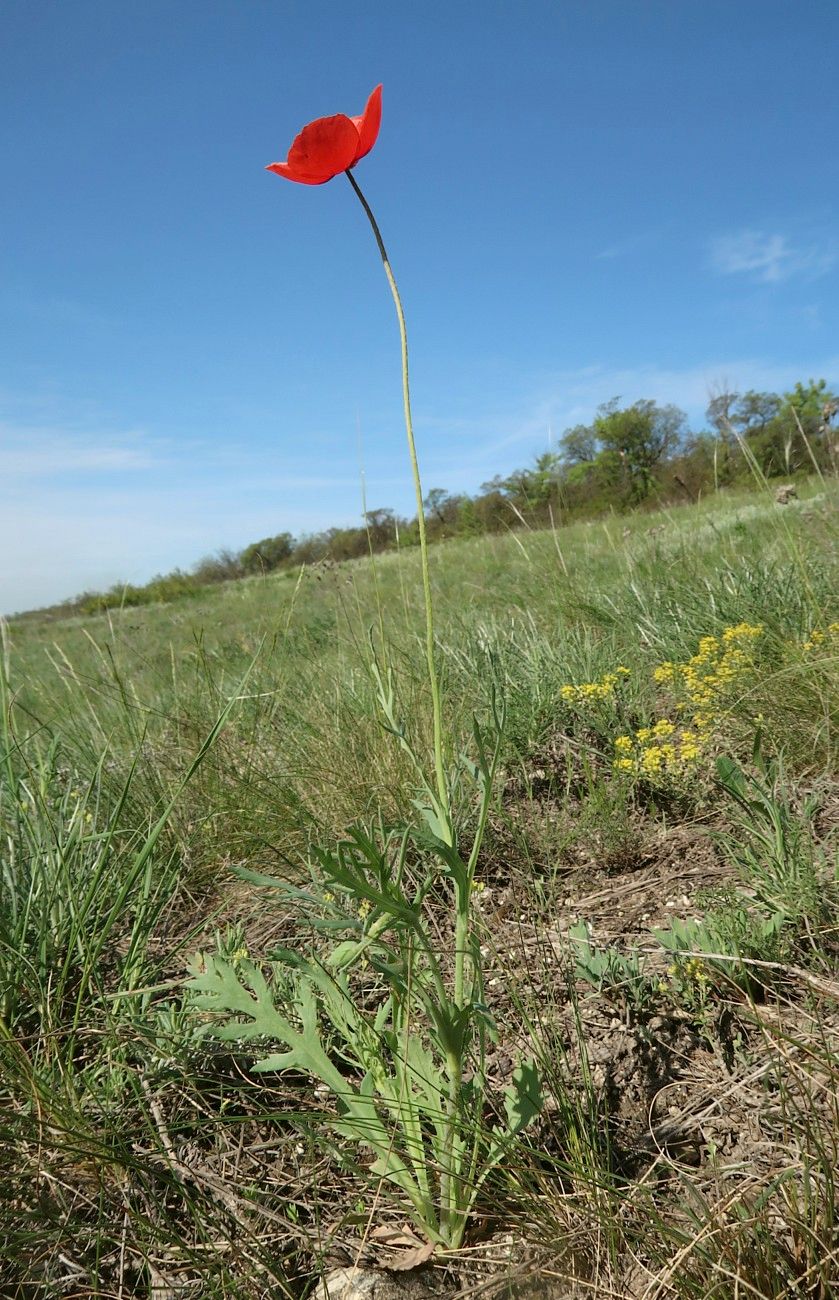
<point x="229" y="1058"/>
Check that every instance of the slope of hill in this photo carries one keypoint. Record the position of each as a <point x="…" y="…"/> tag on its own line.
<point x="655" y="896"/>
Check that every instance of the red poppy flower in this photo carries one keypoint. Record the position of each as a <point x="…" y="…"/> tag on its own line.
<point x="331" y="145"/>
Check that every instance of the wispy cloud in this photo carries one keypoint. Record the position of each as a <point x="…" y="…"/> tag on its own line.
<point x="75" y="536"/>
<point x="84" y="509"/>
<point x="45" y="453"/>
<point x="575" y="394"/>
<point x="769" y="258"/>
<point x="480" y="447"/>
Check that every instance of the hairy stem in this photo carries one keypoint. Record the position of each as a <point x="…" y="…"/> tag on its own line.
<point x="439" y="766"/>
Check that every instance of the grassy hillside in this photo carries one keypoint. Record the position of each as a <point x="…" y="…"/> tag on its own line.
<point x="655" y="895"/>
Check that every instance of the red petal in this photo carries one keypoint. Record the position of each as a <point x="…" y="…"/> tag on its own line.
<point x="368" y="124"/>
<point x="283" y="169"/>
<point x="324" y="148"/>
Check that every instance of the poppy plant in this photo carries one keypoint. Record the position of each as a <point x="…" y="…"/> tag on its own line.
<point x="331" y="145"/>
<point x="423" y="1124"/>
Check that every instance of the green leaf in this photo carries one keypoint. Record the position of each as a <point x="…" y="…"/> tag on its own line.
<point x="687" y="936"/>
<point x="220" y="987"/>
<point x="437" y="821"/>
<point x="523" y="1099"/>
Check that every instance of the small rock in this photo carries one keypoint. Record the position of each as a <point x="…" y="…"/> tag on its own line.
<point x="371" y="1284"/>
<point x="786" y="493"/>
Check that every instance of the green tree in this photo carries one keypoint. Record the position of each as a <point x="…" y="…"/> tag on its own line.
<point x="544" y="478"/>
<point x="270" y="553"/>
<point x="814" y="405"/>
<point x="720" y="414"/>
<point x="634" y="442"/>
<point x="578" y="446"/>
<point x="796" y="435"/>
<point x="381" y="527"/>
<point x="435" y="502"/>
<point x="468" y="519"/>
<point x="755" y="410"/>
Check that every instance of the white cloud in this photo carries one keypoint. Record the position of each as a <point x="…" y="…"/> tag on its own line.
<point x="38" y="453"/>
<point x="768" y="258"/>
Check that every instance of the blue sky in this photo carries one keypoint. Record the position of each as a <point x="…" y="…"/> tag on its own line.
<point x="581" y="199"/>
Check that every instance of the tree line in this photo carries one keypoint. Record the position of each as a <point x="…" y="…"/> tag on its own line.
<point x="643" y="454"/>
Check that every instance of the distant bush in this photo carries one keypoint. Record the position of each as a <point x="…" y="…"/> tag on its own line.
<point x="163" y="588"/>
<point x="270" y="553"/>
<point x="219" y="568"/>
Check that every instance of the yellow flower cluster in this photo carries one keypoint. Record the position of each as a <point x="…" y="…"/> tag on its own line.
<point x="700" y="685"/>
<point x="693" y="971"/>
<point x="696" y="970"/>
<point x="718" y="664"/>
<point x="657" y="751"/>
<point x="588" y="691"/>
<point x="820" y="640"/>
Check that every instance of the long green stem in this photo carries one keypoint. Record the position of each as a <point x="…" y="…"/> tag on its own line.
<point x="439" y="766"/>
<point x="452" y="1215"/>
